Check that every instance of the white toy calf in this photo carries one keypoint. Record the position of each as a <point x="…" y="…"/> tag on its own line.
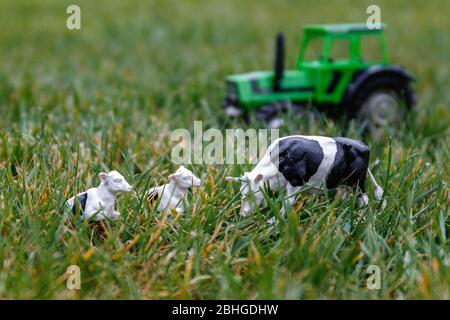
<point x="100" y="201"/>
<point x="173" y="194"/>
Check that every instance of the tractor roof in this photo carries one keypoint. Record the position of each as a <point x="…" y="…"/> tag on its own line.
<point x="323" y="29"/>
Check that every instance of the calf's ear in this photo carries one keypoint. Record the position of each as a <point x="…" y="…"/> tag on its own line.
<point x="173" y="177"/>
<point x="103" y="176"/>
<point x="258" y="178"/>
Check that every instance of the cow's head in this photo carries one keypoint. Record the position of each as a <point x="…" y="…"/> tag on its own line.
<point x="115" y="182"/>
<point x="185" y="178"/>
<point x="250" y="191"/>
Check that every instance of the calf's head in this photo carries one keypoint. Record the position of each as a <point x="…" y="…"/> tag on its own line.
<point x="114" y="182"/>
<point x="250" y="191"/>
<point x="185" y="178"/>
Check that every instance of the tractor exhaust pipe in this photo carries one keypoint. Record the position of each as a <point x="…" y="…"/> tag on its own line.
<point x="279" y="62"/>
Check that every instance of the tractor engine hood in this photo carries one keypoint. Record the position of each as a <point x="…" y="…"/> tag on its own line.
<point x="262" y="82"/>
<point x="248" y="90"/>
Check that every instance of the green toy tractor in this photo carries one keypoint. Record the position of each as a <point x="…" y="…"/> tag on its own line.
<point x="332" y="74"/>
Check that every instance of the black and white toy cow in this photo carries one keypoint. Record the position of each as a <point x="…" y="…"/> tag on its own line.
<point x="297" y="162"/>
<point x="173" y="194"/>
<point x="100" y="201"/>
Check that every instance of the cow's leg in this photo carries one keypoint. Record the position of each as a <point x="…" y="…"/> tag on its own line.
<point x="291" y="195"/>
<point x="378" y="193"/>
<point x="363" y="199"/>
<point x="344" y="192"/>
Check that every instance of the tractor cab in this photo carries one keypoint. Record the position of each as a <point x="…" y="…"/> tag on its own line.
<point x="340" y="45"/>
<point x="333" y="54"/>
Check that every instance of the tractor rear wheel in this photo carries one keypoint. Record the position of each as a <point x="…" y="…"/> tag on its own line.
<point x="381" y="103"/>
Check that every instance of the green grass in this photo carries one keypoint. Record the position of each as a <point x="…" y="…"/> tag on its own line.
<point x="74" y="103"/>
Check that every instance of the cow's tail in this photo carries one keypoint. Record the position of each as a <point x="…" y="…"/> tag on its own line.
<point x="378" y="193"/>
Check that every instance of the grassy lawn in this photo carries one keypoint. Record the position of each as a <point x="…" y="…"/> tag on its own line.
<point x="74" y="103"/>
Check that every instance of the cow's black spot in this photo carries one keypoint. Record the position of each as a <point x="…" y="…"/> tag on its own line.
<point x="350" y="164"/>
<point x="153" y="196"/>
<point x="79" y="203"/>
<point x="299" y="159"/>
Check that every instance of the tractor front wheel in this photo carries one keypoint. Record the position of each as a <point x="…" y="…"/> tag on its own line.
<point x="270" y="115"/>
<point x="274" y="114"/>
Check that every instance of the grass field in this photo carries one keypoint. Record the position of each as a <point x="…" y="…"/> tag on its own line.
<point x="74" y="103"/>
